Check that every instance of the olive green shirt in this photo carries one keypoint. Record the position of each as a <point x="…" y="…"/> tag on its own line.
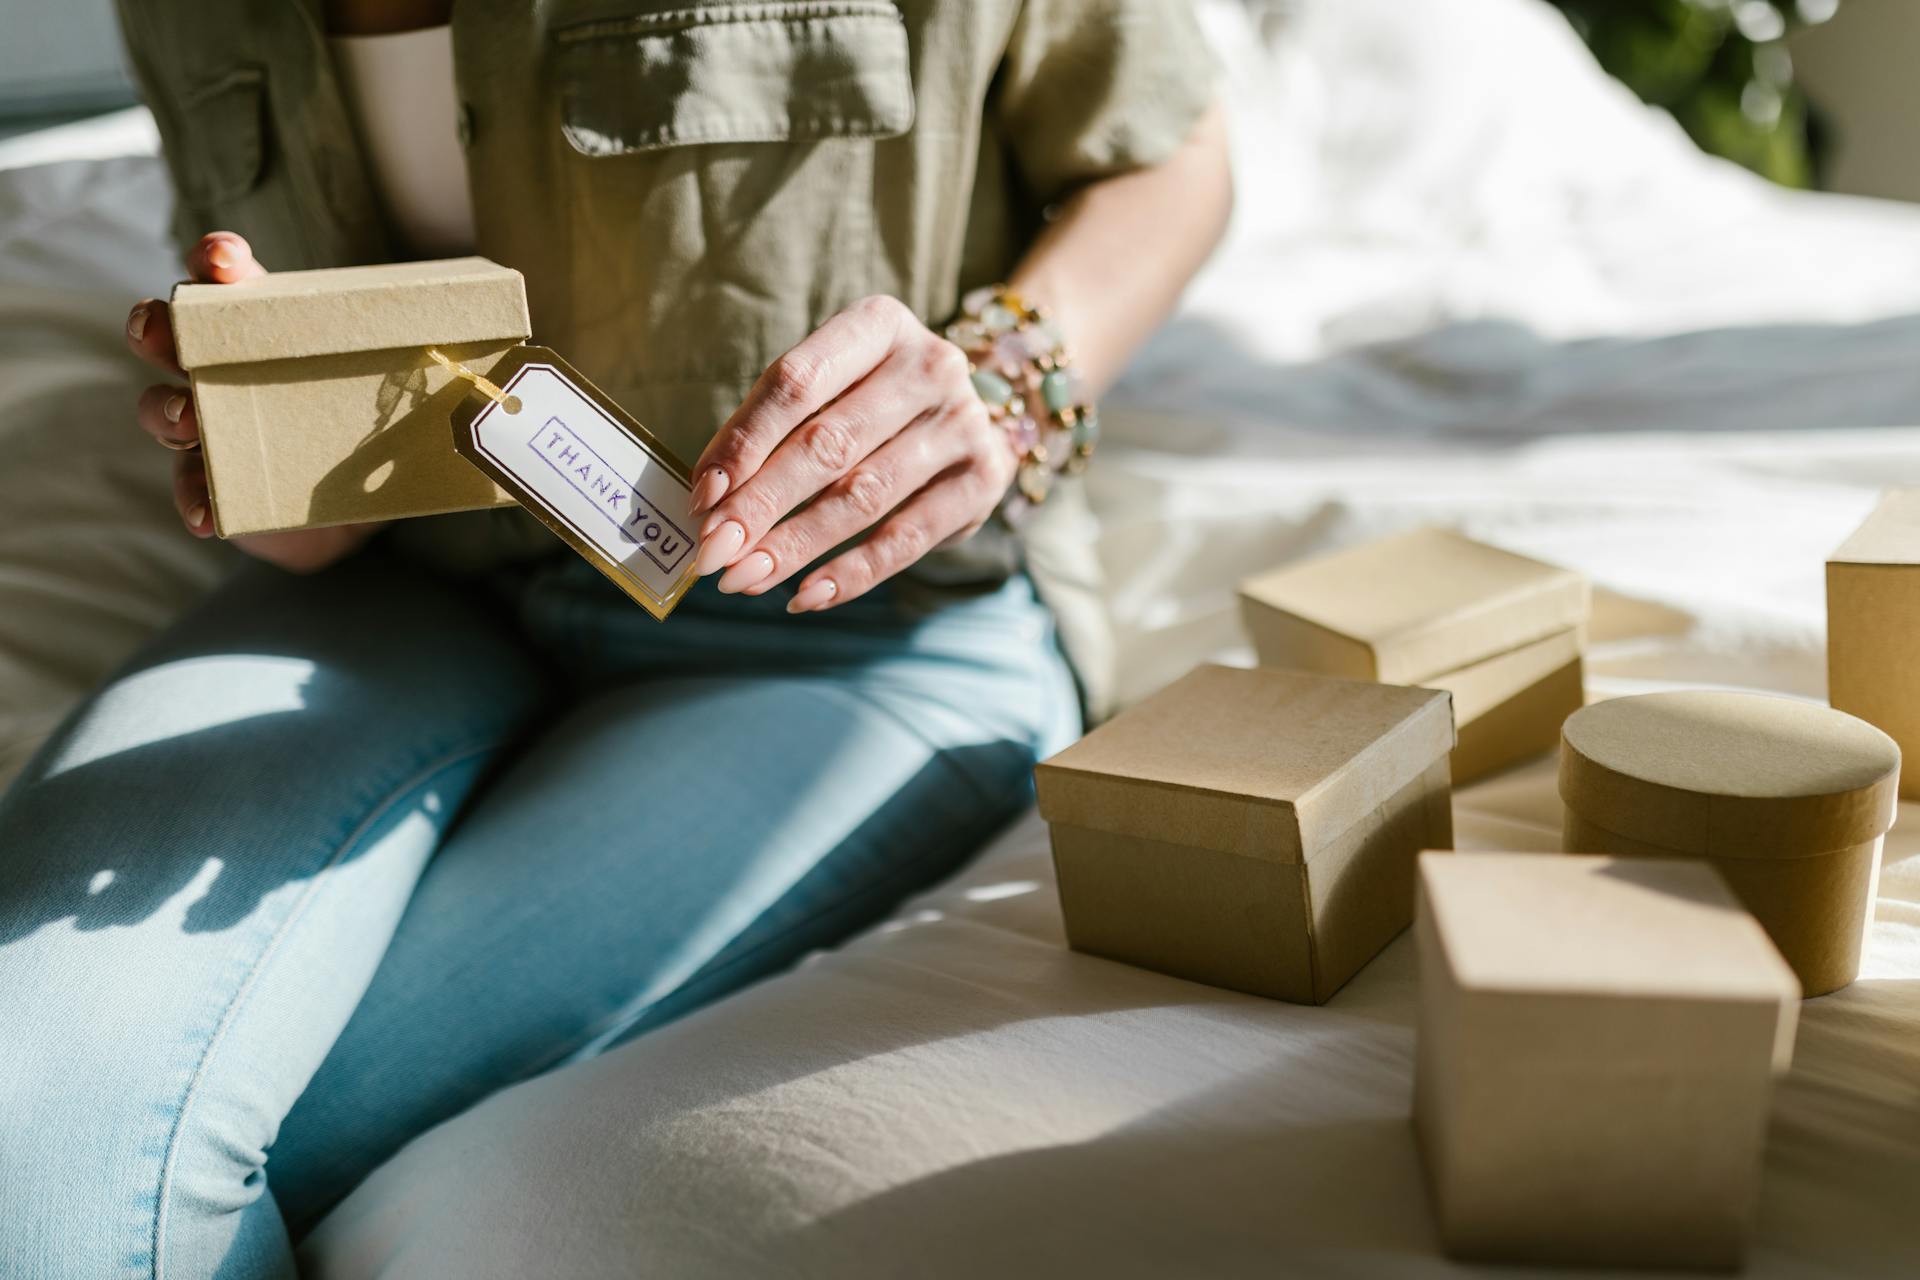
<point x="691" y="186"/>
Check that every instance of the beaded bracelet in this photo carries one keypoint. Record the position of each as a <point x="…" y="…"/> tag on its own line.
<point x="1018" y="360"/>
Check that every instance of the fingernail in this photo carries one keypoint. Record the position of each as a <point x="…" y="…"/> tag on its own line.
<point x="712" y="522"/>
<point x="720" y="547"/>
<point x="137" y="322"/>
<point x="712" y="487"/>
<point x="813" y="595"/>
<point x="178" y="446"/>
<point x="173" y="408"/>
<point x="749" y="571"/>
<point x="220" y="254"/>
<point x="196" y="515"/>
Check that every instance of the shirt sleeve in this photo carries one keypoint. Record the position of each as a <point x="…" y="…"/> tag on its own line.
<point x="1089" y="88"/>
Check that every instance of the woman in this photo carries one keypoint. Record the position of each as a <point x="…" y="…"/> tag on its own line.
<point x="348" y="848"/>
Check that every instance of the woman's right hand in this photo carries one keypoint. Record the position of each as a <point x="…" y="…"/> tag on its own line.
<point x="166" y="412"/>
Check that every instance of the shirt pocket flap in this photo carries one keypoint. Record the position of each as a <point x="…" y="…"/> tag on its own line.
<point x="775" y="72"/>
<point x="223" y="136"/>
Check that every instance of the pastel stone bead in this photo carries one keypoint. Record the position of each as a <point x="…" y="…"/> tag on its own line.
<point x="1010" y="350"/>
<point x="993" y="388"/>
<point x="1086" y="431"/>
<point x="1056" y="390"/>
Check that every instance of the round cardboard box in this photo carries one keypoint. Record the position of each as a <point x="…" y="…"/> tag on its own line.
<point x="1789" y="800"/>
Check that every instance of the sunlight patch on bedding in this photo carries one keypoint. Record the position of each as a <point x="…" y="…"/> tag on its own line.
<point x="926" y="915"/>
<point x="1005" y="889"/>
<point x="200" y="694"/>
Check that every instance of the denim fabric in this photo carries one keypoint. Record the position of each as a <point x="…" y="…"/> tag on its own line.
<point x="338" y="856"/>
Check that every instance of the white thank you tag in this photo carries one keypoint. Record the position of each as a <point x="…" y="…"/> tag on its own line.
<point x="588" y="470"/>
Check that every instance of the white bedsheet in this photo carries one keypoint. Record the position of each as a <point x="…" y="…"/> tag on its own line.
<point x="958" y="1095"/>
<point x="1470" y="281"/>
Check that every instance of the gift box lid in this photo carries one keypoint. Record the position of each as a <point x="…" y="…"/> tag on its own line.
<point x="1660" y="928"/>
<point x="295" y="314"/>
<point x="1595" y="925"/>
<point x="1733" y="775"/>
<point x="1263" y="763"/>
<point x="1890" y="535"/>
<point x="1411" y="607"/>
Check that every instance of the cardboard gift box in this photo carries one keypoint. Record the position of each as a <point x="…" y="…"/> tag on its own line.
<point x="1250" y="829"/>
<point x="317" y="401"/>
<point x="1873" y="615"/>
<point x="1501" y="632"/>
<point x="1788" y="800"/>
<point x="1597" y="1044"/>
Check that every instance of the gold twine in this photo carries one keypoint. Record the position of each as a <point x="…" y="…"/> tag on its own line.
<point x="486" y="388"/>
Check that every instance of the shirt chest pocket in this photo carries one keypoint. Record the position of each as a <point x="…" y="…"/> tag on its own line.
<point x="752" y="73"/>
<point x="720" y="165"/>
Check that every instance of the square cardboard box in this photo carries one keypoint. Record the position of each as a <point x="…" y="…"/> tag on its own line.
<point x="1873" y="615"/>
<point x="1502" y="632"/>
<point x="317" y="401"/>
<point x="1250" y="829"/>
<point x="1598" y="1041"/>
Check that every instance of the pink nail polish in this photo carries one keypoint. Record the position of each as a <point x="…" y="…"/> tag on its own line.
<point x="720" y="547"/>
<point x="749" y="571"/>
<point x="220" y="254"/>
<point x="711" y="488"/>
<point x="813" y="596"/>
<point x="196" y="515"/>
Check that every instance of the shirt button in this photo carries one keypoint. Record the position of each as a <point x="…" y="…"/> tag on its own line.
<point x="464" y="127"/>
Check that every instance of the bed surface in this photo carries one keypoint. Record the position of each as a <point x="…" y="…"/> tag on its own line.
<point x="956" y="1094"/>
<point x="1561" y="330"/>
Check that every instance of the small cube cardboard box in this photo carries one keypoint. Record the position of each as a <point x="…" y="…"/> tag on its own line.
<point x="1598" y="1042"/>
<point x="1502" y="633"/>
<point x="1873" y="617"/>
<point x="317" y="401"/>
<point x="1250" y="829"/>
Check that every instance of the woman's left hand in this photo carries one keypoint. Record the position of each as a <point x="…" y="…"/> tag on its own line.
<point x="869" y="425"/>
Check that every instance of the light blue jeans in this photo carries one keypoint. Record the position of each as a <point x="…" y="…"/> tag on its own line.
<point x="338" y="856"/>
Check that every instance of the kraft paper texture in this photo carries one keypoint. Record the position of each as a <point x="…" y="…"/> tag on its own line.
<point x="317" y="402"/>
<point x="1404" y="609"/>
<point x="1597" y="1045"/>
<point x="1787" y="799"/>
<point x="1250" y="829"/>
<point x="1873" y="617"/>
<point x="1264" y="764"/>
<point x="1510" y="708"/>
<point x="1288" y="931"/>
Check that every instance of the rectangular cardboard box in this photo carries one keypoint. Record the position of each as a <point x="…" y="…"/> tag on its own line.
<point x="1510" y="708"/>
<point x="317" y="401"/>
<point x="1503" y="633"/>
<point x="1598" y="1041"/>
<point x="1873" y="619"/>
<point x="1250" y="829"/>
